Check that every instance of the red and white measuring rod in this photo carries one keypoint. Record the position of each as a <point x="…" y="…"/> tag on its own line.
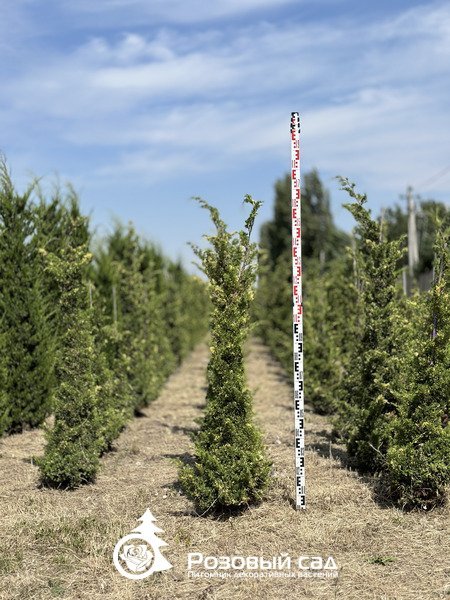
<point x="297" y="311"/>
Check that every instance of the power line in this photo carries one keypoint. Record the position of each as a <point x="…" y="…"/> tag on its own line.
<point x="435" y="177"/>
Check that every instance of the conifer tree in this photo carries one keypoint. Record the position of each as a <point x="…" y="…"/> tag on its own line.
<point x="231" y="469"/>
<point x="418" y="459"/>
<point x="75" y="441"/>
<point x="24" y="326"/>
<point x="330" y="328"/>
<point x="114" y="355"/>
<point x="322" y="245"/>
<point x="132" y="271"/>
<point x="186" y="310"/>
<point x="196" y="308"/>
<point x="368" y="391"/>
<point x="320" y="237"/>
<point x="273" y="307"/>
<point x="176" y="317"/>
<point x="115" y="399"/>
<point x="141" y="322"/>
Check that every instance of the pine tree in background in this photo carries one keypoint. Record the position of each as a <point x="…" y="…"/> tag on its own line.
<point x="321" y="240"/>
<point x="325" y="296"/>
<point x="231" y="469"/>
<point x="418" y="459"/>
<point x="24" y="326"/>
<point x="75" y="441"/>
<point x="368" y="392"/>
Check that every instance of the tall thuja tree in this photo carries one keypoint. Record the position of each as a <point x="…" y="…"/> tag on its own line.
<point x="155" y="273"/>
<point x="176" y="316"/>
<point x="273" y="308"/>
<point x="75" y="441"/>
<point x="139" y="313"/>
<point x="418" y="459"/>
<point x="231" y="469"/>
<point x="322" y="245"/>
<point x="115" y="399"/>
<point x="115" y="361"/>
<point x="196" y="308"/>
<point x="330" y="327"/>
<point x="24" y="327"/>
<point x="51" y="220"/>
<point x="368" y="391"/>
<point x="186" y="310"/>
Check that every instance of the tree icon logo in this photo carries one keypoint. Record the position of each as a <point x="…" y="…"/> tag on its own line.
<point x="138" y="555"/>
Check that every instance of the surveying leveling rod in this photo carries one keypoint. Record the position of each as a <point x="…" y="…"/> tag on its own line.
<point x="297" y="311"/>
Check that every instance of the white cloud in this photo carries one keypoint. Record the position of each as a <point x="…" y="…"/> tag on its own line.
<point x="373" y="96"/>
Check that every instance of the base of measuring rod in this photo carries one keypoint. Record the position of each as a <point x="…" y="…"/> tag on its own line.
<point x="301" y="505"/>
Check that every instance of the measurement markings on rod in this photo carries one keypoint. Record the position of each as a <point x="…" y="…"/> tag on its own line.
<point x="297" y="313"/>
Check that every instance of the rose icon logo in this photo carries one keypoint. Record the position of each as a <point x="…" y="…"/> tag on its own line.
<point x="138" y="555"/>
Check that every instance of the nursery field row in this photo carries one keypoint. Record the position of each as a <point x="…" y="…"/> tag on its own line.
<point x="59" y="544"/>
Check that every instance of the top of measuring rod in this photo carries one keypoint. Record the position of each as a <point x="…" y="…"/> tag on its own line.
<point x="295" y="120"/>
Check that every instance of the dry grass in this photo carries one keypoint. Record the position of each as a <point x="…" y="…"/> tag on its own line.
<point x="58" y="544"/>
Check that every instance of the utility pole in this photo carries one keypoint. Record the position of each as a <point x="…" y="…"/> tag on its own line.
<point x="413" y="246"/>
<point x="382" y="219"/>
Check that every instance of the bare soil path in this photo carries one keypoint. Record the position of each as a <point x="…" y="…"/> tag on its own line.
<point x="57" y="544"/>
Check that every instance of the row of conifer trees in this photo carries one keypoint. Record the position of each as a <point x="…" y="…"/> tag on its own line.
<point x="375" y="359"/>
<point x="89" y="331"/>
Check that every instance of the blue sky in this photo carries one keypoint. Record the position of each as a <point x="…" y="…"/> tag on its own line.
<point x="142" y="104"/>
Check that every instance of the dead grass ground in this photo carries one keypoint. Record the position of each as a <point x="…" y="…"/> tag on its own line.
<point x="57" y="544"/>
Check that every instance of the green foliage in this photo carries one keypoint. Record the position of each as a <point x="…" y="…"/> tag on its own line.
<point x="379" y="359"/>
<point x="115" y="398"/>
<point x="330" y="327"/>
<point x="273" y="307"/>
<point x="329" y="300"/>
<point x="418" y="459"/>
<point x="154" y="311"/>
<point x="185" y="307"/>
<point x="320" y="237"/>
<point x="368" y="392"/>
<point x="231" y="469"/>
<point x="27" y="344"/>
<point x="133" y="273"/>
<point x="90" y="342"/>
<point x="75" y="441"/>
